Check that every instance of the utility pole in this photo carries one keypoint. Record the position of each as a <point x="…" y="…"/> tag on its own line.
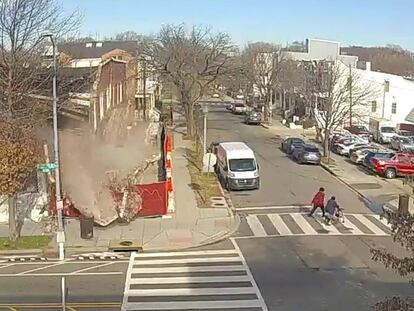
<point x="350" y="95"/>
<point x="205" y="112"/>
<point x="145" y="86"/>
<point x="59" y="201"/>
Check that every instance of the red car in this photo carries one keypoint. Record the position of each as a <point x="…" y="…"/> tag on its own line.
<point x="401" y="164"/>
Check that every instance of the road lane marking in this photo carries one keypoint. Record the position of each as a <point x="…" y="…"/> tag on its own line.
<point x="303" y="224"/>
<point x="226" y="279"/>
<point x="185" y="260"/>
<point x="255" y="225"/>
<point x="369" y="224"/>
<point x="177" y="254"/>
<point x="91" y="268"/>
<point x="331" y="229"/>
<point x="244" y="209"/>
<point x="193" y="305"/>
<point x="190" y="279"/>
<point x="41" y="268"/>
<point x="128" y="279"/>
<point x="6" y="266"/>
<point x="192" y="291"/>
<point x="279" y="224"/>
<point x="188" y="269"/>
<point x="349" y="225"/>
<point x="383" y="220"/>
<point x="59" y="274"/>
<point x="249" y="273"/>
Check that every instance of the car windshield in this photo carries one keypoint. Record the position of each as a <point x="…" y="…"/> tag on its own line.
<point x="311" y="149"/>
<point x="242" y="165"/>
<point x="361" y="129"/>
<point x="297" y="142"/>
<point x="405" y="140"/>
<point x="387" y="129"/>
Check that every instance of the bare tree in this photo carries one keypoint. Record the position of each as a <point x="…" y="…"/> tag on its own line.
<point x="263" y="63"/>
<point x="191" y="60"/>
<point x="402" y="225"/>
<point x="23" y="75"/>
<point x="335" y="96"/>
<point x="128" y="35"/>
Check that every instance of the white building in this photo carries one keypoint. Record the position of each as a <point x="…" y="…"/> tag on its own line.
<point x="394" y="102"/>
<point x="318" y="49"/>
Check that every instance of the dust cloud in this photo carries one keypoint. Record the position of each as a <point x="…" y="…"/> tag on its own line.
<point x="86" y="160"/>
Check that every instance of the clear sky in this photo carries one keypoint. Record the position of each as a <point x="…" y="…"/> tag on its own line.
<point x="353" y="22"/>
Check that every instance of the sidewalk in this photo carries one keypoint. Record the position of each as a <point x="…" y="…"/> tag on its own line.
<point x="189" y="226"/>
<point x="377" y="190"/>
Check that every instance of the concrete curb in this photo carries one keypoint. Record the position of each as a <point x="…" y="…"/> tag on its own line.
<point x="22" y="252"/>
<point x="358" y="193"/>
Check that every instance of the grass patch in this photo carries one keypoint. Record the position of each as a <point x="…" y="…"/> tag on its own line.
<point x="204" y="184"/>
<point x="25" y="242"/>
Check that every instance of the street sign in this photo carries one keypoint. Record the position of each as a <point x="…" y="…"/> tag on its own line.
<point x="47" y="167"/>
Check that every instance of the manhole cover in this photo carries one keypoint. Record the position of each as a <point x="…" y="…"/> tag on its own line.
<point x="126" y="243"/>
<point x="366" y="186"/>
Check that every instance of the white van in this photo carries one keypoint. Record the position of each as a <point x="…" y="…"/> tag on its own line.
<point x="236" y="166"/>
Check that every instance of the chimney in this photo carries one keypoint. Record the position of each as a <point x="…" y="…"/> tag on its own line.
<point x="368" y="66"/>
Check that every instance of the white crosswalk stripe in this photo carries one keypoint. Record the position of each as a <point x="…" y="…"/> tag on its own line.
<point x="288" y="224"/>
<point x="191" y="280"/>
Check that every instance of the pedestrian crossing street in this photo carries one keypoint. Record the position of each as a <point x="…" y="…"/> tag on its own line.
<point x="191" y="280"/>
<point x="290" y="224"/>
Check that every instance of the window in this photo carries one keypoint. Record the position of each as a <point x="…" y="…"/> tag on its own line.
<point x="403" y="160"/>
<point x="394" y="108"/>
<point x="89" y="45"/>
<point x="242" y="165"/>
<point x="374" y="106"/>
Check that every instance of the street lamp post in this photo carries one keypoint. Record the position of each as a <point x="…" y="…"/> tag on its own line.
<point x="59" y="202"/>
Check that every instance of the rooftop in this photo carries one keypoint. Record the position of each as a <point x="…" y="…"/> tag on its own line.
<point x="95" y="49"/>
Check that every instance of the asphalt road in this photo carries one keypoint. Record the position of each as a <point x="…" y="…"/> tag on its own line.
<point x="90" y="285"/>
<point x="279" y="259"/>
<point x="283" y="182"/>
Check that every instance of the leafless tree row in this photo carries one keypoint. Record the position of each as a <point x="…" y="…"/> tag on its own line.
<point x="23" y="75"/>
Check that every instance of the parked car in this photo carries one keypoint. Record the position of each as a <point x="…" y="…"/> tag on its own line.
<point x="229" y="107"/>
<point x="341" y="141"/>
<point x="401" y="164"/>
<point x="360" y="131"/>
<point x="216" y="95"/>
<point x="289" y="144"/>
<point x="376" y="155"/>
<point x="239" y="108"/>
<point x="401" y="143"/>
<point x="240" y="96"/>
<point x="386" y="133"/>
<point x="404" y="133"/>
<point x="345" y="147"/>
<point x="253" y="117"/>
<point x="358" y="156"/>
<point x="306" y="153"/>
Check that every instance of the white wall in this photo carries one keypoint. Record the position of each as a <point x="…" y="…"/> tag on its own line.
<point x="401" y="92"/>
<point x="87" y="62"/>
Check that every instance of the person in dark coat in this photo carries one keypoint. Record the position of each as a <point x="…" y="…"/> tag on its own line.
<point x="331" y="210"/>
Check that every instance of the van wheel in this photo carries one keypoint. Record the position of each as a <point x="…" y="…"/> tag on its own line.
<point x="390" y="173"/>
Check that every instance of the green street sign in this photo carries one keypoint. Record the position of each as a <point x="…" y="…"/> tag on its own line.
<point x="47" y="167"/>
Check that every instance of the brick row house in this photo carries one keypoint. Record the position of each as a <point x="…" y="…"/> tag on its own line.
<point x="115" y="78"/>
